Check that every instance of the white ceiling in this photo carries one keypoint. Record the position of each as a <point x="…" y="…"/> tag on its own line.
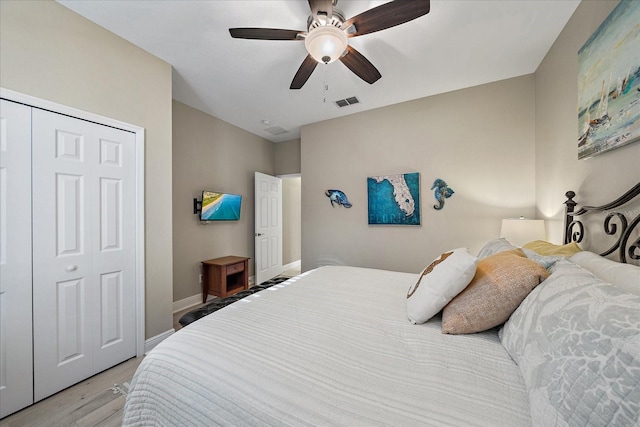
<point x="459" y="44"/>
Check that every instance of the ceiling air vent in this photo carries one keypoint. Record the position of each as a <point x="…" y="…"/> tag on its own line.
<point x="348" y="101"/>
<point x="276" y="130"/>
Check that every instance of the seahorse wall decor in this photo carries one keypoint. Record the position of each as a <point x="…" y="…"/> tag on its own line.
<point x="442" y="191"/>
<point x="338" y="197"/>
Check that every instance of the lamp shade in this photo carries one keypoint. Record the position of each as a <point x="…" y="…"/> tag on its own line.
<point x="519" y="231"/>
<point x="326" y="43"/>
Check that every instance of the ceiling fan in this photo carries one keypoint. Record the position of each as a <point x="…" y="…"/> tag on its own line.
<point x="326" y="38"/>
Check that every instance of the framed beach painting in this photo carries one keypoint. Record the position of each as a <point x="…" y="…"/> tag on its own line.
<point x="609" y="83"/>
<point x="394" y="199"/>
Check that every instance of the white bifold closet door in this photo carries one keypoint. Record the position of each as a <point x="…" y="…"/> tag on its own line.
<point x="83" y="249"/>
<point x="16" y="367"/>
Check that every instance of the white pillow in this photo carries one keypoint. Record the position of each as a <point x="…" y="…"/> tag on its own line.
<point x="624" y="276"/>
<point x="439" y="283"/>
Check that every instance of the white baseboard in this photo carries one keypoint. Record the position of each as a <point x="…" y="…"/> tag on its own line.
<point x="154" y="341"/>
<point x="188" y="302"/>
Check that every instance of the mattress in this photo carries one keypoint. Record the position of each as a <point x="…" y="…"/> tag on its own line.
<point x="330" y="347"/>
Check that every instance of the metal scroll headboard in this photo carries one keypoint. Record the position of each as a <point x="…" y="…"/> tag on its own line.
<point x="616" y="224"/>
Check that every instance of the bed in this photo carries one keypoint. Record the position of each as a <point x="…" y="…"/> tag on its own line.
<point x="334" y="346"/>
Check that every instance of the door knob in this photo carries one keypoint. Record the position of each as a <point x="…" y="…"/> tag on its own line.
<point x="258" y="234"/>
<point x="72" y="267"/>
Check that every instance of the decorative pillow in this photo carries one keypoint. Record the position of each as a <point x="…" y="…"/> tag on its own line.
<point x="624" y="276"/>
<point x="546" y="248"/>
<point x="438" y="283"/>
<point x="495" y="246"/>
<point x="576" y="341"/>
<point x="546" y="261"/>
<point x="500" y="284"/>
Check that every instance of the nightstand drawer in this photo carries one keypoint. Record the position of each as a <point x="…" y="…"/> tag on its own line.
<point x="234" y="268"/>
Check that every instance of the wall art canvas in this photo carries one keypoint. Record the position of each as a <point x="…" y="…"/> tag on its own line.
<point x="394" y="199"/>
<point x="609" y="83"/>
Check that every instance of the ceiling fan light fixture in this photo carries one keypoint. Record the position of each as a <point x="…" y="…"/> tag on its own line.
<point x="326" y="43"/>
<point x="326" y="38"/>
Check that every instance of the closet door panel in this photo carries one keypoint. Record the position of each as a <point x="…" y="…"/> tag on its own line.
<point x="114" y="246"/>
<point x="16" y="369"/>
<point x="63" y="293"/>
<point x="84" y="249"/>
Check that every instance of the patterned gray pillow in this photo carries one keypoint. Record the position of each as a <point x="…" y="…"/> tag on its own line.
<point x="576" y="341"/>
<point x="546" y="261"/>
<point x="495" y="246"/>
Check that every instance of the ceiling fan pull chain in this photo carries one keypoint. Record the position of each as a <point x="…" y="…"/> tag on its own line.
<point x="325" y="86"/>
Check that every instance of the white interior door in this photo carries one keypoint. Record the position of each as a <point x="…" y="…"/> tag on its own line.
<point x="268" y="228"/>
<point x="16" y="368"/>
<point x="83" y="249"/>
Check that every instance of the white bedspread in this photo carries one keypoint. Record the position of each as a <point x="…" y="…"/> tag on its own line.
<point x="331" y="347"/>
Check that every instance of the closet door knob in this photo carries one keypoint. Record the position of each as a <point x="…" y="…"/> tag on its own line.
<point x="72" y="267"/>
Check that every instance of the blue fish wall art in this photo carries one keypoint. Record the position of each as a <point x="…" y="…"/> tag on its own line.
<point x="442" y="191"/>
<point x="338" y="197"/>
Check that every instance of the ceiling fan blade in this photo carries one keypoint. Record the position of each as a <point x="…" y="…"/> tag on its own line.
<point x="322" y="6"/>
<point x="265" y="33"/>
<point x="360" y="66"/>
<point x="304" y="72"/>
<point x="387" y="15"/>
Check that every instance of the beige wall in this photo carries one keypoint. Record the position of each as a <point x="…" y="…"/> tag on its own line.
<point x="210" y="154"/>
<point x="288" y="157"/>
<point x="49" y="52"/>
<point x="599" y="179"/>
<point x="480" y="140"/>
<point x="291" y="219"/>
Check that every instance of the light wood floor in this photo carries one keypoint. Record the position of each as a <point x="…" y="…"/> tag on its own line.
<point x="86" y="404"/>
<point x="89" y="403"/>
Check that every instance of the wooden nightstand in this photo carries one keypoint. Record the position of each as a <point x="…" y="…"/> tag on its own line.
<point x="224" y="276"/>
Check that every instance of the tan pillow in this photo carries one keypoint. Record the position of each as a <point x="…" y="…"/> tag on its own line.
<point x="546" y="248"/>
<point x="500" y="284"/>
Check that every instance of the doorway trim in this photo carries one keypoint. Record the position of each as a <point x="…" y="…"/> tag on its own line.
<point x="139" y="132"/>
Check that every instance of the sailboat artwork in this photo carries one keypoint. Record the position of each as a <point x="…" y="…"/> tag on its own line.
<point x="609" y="83"/>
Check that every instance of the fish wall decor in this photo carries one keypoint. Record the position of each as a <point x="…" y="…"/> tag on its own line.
<point x="338" y="197"/>
<point x="442" y="191"/>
